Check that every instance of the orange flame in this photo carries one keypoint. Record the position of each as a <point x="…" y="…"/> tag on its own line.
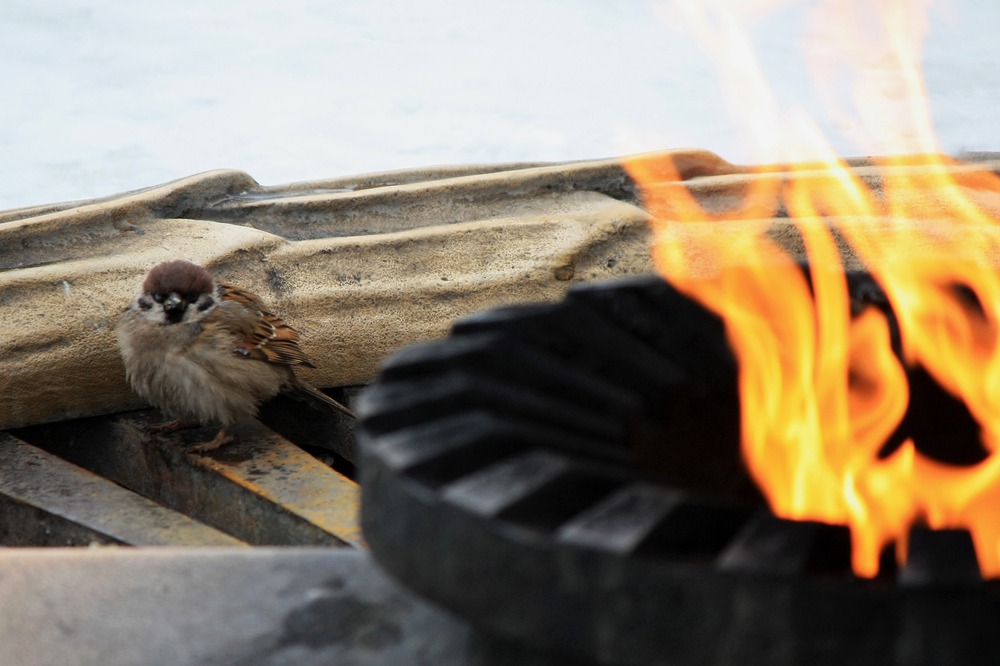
<point x="821" y="391"/>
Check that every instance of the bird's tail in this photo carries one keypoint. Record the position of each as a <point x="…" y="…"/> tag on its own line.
<point x="317" y="399"/>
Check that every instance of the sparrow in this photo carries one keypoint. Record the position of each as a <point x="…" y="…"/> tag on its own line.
<point x="207" y="352"/>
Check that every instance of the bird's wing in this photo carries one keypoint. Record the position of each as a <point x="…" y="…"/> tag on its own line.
<point x="262" y="335"/>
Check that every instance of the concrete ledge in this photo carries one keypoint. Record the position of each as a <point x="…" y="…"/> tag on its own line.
<point x="217" y="606"/>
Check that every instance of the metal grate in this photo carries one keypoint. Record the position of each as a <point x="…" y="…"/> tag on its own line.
<point x="287" y="480"/>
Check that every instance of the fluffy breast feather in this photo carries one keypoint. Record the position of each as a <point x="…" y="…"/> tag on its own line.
<point x="191" y="371"/>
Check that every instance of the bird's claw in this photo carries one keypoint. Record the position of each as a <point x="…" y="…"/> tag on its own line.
<point x="220" y="438"/>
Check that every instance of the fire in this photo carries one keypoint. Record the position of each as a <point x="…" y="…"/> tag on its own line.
<point x="822" y="390"/>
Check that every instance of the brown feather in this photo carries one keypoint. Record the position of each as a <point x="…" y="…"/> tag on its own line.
<point x="269" y="339"/>
<point x="179" y="276"/>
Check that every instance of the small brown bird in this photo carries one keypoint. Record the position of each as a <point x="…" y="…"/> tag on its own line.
<point x="206" y="352"/>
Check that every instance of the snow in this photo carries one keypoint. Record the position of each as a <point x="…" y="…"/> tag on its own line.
<point x="103" y="96"/>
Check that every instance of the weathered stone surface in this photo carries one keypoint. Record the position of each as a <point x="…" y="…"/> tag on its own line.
<point x="360" y="266"/>
<point x="216" y="606"/>
<point x="199" y="606"/>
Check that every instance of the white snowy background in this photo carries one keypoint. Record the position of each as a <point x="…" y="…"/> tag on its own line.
<point x="103" y="96"/>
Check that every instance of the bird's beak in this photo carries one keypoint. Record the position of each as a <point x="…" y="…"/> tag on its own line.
<point x="173" y="303"/>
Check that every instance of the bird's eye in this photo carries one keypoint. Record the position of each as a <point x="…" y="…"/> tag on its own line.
<point x="192" y="297"/>
<point x="159" y="298"/>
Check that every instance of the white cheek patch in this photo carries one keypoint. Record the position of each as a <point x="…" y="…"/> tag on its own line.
<point x="153" y="314"/>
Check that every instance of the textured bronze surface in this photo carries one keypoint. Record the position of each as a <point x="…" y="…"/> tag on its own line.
<point x="360" y="266"/>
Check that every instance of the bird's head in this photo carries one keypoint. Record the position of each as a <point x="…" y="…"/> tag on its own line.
<point x="176" y="291"/>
